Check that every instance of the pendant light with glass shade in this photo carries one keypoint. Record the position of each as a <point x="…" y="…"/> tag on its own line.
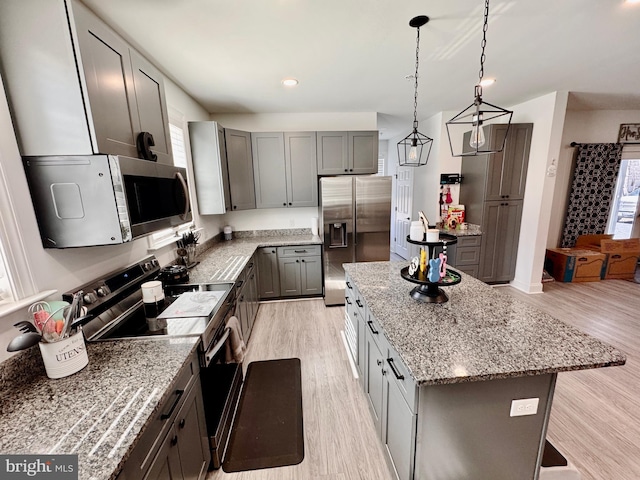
<point x="414" y="149"/>
<point x="477" y="116"/>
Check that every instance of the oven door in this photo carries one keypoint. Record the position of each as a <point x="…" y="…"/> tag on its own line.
<point x="221" y="385"/>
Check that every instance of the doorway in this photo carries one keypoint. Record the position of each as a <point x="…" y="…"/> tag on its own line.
<point x="625" y="208"/>
<point x="402" y="212"/>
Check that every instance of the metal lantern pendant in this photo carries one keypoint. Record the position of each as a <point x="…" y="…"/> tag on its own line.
<point x="469" y="126"/>
<point x="414" y="149"/>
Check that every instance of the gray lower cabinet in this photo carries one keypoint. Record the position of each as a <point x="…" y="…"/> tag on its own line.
<point x="247" y="299"/>
<point x="341" y="153"/>
<point x="467" y="254"/>
<point x="389" y="386"/>
<point x="300" y="270"/>
<point x="240" y="169"/>
<point x="501" y="232"/>
<point x="268" y="276"/>
<point x="175" y="444"/>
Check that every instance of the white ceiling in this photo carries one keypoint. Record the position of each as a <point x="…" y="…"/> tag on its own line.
<point x="353" y="55"/>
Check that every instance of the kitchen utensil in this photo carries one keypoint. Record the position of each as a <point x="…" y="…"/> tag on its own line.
<point x="174" y="275"/>
<point x="23" y="341"/>
<point x="72" y="314"/>
<point x="25" y="326"/>
<point x="51" y="329"/>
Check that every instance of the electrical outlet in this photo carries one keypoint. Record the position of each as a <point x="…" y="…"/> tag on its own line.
<point x="524" y="406"/>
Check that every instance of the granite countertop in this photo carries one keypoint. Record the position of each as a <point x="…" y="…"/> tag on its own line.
<point x="98" y="412"/>
<point x="224" y="261"/>
<point x="470" y="231"/>
<point x="479" y="334"/>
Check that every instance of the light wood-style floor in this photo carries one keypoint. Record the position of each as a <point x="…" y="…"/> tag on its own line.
<point x="595" y="420"/>
<point x="339" y="438"/>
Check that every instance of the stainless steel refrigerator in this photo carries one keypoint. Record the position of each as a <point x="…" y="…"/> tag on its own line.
<point x="355" y="222"/>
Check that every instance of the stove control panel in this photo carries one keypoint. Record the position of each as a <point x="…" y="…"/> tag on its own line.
<point x="111" y="287"/>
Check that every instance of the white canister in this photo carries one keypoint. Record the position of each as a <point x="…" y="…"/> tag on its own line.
<point x="433" y="235"/>
<point x="152" y="298"/>
<point x="416" y="232"/>
<point x="65" y="357"/>
<point x="228" y="233"/>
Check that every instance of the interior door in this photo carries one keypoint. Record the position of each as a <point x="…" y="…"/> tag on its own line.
<point x="402" y="213"/>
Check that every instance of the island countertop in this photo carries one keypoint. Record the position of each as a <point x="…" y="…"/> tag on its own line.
<point x="479" y="334"/>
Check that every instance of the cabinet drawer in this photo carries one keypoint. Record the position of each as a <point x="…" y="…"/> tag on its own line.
<point x="467" y="256"/>
<point x="470" y="241"/>
<point x="469" y="270"/>
<point x="147" y="446"/>
<point x="399" y="373"/>
<point x="299" y="251"/>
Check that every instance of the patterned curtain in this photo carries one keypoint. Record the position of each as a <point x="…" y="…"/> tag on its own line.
<point x="594" y="180"/>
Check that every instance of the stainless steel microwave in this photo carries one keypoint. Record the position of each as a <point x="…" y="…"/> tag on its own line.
<point x="82" y="201"/>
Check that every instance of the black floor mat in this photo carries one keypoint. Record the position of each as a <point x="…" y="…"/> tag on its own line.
<point x="267" y="431"/>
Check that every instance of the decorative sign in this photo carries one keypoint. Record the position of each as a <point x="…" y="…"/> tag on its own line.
<point x="629" y="133"/>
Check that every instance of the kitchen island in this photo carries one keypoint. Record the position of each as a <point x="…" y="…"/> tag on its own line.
<point x="441" y="378"/>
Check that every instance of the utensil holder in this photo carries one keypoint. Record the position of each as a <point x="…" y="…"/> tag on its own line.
<point x="65" y="357"/>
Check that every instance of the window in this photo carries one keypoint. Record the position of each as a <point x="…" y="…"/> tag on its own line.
<point x="381" y="162"/>
<point x="624" y="208"/>
<point x="177" y="145"/>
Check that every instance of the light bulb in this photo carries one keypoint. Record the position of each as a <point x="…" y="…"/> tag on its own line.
<point x="477" y="132"/>
<point x="413" y="153"/>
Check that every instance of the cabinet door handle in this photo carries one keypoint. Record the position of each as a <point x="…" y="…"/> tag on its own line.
<point x="297" y="261"/>
<point x="393" y="368"/>
<point x="234" y="207"/>
<point x="346" y="299"/>
<point x="302" y="260"/>
<point x="179" y="394"/>
<point x="373" y="330"/>
<point x="349" y="286"/>
<point x="359" y="303"/>
<point x="273" y="251"/>
<point x="300" y="251"/>
<point x="174" y="441"/>
<point x="379" y="362"/>
<point x="346" y="169"/>
<point x="290" y="204"/>
<point x="284" y="204"/>
<point x="182" y="423"/>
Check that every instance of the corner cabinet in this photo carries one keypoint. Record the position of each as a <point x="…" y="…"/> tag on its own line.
<point x="284" y="169"/>
<point x="209" y="157"/>
<point x="105" y="92"/>
<point x="240" y="167"/>
<point x="344" y="153"/>
<point x="493" y="193"/>
<point x="268" y="276"/>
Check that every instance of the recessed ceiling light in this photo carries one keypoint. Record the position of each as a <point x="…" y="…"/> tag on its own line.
<point x="632" y="1"/>
<point x="290" y="82"/>
<point x="487" y="81"/>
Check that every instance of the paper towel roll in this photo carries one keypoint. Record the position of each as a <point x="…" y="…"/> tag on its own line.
<point x="314" y="226"/>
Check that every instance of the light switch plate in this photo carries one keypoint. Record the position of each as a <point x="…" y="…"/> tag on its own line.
<point x="524" y="406"/>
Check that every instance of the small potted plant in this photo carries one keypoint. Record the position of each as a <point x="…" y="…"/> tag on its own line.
<point x="188" y="243"/>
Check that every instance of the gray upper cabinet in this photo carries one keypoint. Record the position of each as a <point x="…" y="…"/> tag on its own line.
<point x="209" y="156"/>
<point x="341" y="153"/>
<point x="93" y="94"/>
<point x="240" y="165"/>
<point x="284" y="169"/>
<point x="363" y="152"/>
<point x="269" y="170"/>
<point x="151" y="106"/>
<point x="301" y="169"/>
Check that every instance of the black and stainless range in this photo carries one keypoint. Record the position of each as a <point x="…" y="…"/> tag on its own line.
<point x="115" y="311"/>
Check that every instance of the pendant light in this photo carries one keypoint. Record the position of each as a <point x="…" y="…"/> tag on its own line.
<point x="469" y="125"/>
<point x="414" y="149"/>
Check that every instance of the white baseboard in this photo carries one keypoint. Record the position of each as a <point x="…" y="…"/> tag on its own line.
<point x="354" y="369"/>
